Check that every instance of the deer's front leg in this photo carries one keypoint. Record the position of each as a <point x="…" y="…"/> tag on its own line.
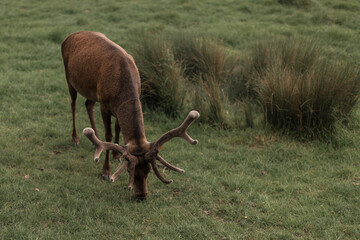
<point x="106" y="116"/>
<point x="90" y="110"/>
<point x="116" y="154"/>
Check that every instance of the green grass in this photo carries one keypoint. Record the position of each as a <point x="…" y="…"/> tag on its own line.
<point x="239" y="184"/>
<point x="301" y="91"/>
<point x="183" y="70"/>
<point x="162" y="81"/>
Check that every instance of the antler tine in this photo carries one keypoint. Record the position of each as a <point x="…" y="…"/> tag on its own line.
<point x="157" y="172"/>
<point x="101" y="146"/>
<point x="120" y="169"/>
<point x="168" y="165"/>
<point x="178" y="132"/>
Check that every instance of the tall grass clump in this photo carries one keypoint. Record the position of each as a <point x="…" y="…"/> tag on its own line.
<point x="293" y="54"/>
<point x="301" y="92"/>
<point x="201" y="57"/>
<point x="208" y="98"/>
<point x="296" y="3"/>
<point x="207" y="66"/>
<point x="162" y="77"/>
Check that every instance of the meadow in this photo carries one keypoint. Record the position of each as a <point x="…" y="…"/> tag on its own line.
<point x="239" y="183"/>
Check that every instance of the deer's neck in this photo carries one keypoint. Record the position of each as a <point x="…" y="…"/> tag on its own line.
<point x="131" y="122"/>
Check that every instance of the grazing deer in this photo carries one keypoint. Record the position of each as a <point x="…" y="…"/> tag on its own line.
<point x="102" y="71"/>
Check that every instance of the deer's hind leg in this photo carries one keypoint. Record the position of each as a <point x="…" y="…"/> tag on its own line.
<point x="73" y="95"/>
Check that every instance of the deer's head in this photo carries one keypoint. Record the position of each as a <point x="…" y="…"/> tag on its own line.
<point x="139" y="164"/>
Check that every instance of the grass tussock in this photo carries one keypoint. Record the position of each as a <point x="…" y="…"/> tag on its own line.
<point x="296" y="3"/>
<point x="162" y="77"/>
<point x="207" y="67"/>
<point x="202" y="58"/>
<point x="185" y="64"/>
<point x="302" y="92"/>
<point x="296" y="55"/>
<point x="208" y="98"/>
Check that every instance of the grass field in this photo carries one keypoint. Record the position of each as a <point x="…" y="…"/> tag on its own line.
<point x="239" y="184"/>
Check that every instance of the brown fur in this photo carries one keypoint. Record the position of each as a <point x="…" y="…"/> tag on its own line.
<point x="102" y="71"/>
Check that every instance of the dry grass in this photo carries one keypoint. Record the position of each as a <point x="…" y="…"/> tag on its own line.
<point x="301" y="91"/>
<point x="208" y="66"/>
<point x="297" y="3"/>
<point x="187" y="65"/>
<point x="162" y="77"/>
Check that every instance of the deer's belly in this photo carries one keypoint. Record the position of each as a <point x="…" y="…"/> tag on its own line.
<point x="87" y="89"/>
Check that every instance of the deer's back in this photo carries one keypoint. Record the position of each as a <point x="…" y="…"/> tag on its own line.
<point x="99" y="69"/>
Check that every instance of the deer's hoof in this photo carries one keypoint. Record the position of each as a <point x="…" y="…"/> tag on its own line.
<point x="75" y="141"/>
<point x="106" y="177"/>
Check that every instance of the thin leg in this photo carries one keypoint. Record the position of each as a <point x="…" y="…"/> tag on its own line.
<point x="106" y="116"/>
<point x="73" y="95"/>
<point x="90" y="110"/>
<point x="116" y="154"/>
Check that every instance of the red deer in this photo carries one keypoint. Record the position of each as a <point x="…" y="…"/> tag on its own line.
<point x="102" y="71"/>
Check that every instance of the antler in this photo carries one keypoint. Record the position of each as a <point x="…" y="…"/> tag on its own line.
<point x="180" y="131"/>
<point x="157" y="172"/>
<point x="151" y="155"/>
<point x="168" y="165"/>
<point x="101" y="146"/>
<point x="120" y="169"/>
